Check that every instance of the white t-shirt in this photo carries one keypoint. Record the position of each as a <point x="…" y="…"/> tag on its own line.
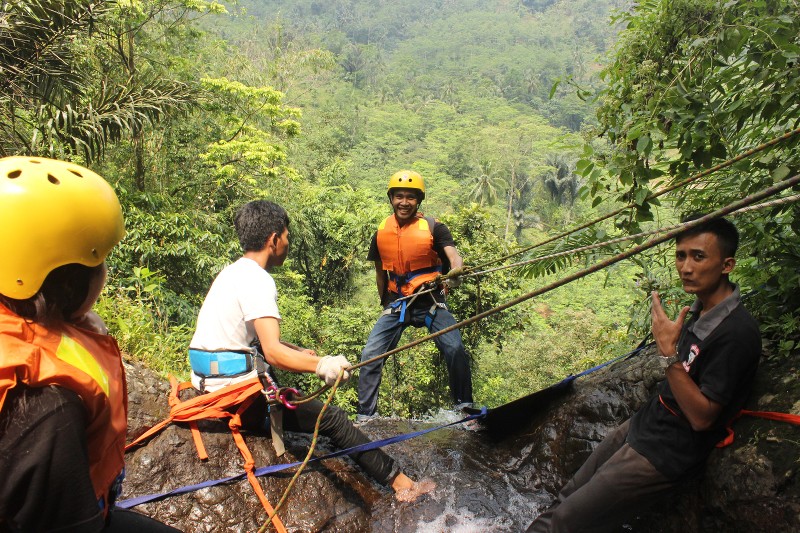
<point x="241" y="293"/>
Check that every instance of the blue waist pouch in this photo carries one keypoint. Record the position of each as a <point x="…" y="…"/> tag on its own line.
<point x="220" y="364"/>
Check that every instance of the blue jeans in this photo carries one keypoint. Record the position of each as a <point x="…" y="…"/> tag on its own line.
<point x="384" y="337"/>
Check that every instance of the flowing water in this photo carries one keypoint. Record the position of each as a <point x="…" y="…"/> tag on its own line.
<point x="481" y="485"/>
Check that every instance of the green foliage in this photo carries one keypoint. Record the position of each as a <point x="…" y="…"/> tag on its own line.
<point x="479" y="243"/>
<point x="691" y="84"/>
<point x="134" y="311"/>
<point x="560" y="338"/>
<point x="485" y="183"/>
<point x="186" y="250"/>
<point x="530" y="363"/>
<point x="331" y="230"/>
<point x="251" y="122"/>
<point x="54" y="100"/>
<point x="560" y="179"/>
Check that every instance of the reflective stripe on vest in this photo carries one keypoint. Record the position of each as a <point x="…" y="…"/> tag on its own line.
<point x="84" y="362"/>
<point x="407" y="253"/>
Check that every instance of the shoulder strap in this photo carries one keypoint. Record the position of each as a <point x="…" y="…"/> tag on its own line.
<point x="431" y="223"/>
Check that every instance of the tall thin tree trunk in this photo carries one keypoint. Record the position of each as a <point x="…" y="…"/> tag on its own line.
<point x="510" y="201"/>
<point x="138" y="133"/>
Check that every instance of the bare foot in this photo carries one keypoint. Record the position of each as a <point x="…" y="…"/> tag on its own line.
<point x="417" y="489"/>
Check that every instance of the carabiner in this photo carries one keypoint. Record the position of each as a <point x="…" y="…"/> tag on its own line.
<point x="282" y="396"/>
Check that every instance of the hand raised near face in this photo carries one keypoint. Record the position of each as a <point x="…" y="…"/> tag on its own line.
<point x="666" y="332"/>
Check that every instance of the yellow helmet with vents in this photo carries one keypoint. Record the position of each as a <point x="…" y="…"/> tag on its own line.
<point x="52" y="213"/>
<point x="407" y="179"/>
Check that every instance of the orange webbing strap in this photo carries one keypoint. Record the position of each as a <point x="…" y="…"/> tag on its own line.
<point x="769" y="415"/>
<point x="198" y="441"/>
<point x="210" y="405"/>
<point x="215" y="405"/>
<point x="249" y="464"/>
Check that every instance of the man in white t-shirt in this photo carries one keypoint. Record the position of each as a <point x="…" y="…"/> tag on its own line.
<point x="242" y="307"/>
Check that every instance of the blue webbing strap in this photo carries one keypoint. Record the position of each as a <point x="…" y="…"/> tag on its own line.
<point x="430" y="316"/>
<point x="403" y="305"/>
<point x="402" y="279"/>
<point x="132" y="502"/>
<point x="633" y="352"/>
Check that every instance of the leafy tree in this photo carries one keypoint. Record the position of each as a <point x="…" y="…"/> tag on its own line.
<point x="330" y="233"/>
<point x="691" y="84"/>
<point x="53" y="99"/>
<point x="560" y="179"/>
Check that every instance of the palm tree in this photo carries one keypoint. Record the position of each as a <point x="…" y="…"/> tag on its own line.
<point x="55" y="103"/>
<point x="560" y="179"/>
<point x="485" y="183"/>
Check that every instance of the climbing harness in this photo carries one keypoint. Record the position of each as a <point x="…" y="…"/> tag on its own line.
<point x="401" y="305"/>
<point x="228" y="402"/>
<point x="401" y="280"/>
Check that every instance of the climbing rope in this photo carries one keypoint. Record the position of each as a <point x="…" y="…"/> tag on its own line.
<point x="695" y="177"/>
<point x="311" y="449"/>
<point x="666" y="234"/>
<point x="603" y="244"/>
<point x="597" y="245"/>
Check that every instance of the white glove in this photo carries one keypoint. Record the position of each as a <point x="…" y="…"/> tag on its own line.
<point x="456" y="280"/>
<point x="329" y="366"/>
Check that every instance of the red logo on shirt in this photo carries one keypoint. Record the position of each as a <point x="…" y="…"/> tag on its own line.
<point x="694" y="351"/>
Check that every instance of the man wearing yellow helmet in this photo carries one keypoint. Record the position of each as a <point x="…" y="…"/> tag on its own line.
<point x="410" y="251"/>
<point x="63" y="400"/>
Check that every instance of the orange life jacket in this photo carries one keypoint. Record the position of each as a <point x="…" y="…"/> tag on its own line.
<point x="407" y="253"/>
<point x="86" y="363"/>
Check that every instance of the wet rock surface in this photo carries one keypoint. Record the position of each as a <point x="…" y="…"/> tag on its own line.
<point x="487" y="480"/>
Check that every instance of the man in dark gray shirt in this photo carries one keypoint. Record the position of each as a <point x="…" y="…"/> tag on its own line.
<point x="712" y="361"/>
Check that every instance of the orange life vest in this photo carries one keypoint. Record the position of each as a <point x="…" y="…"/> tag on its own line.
<point x="407" y="253"/>
<point x="86" y="363"/>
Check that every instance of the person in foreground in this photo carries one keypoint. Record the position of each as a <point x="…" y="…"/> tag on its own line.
<point x="711" y="363"/>
<point x="241" y="308"/>
<point x="63" y="399"/>
<point x="410" y="251"/>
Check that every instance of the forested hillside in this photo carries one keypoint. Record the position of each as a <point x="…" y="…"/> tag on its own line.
<point x="526" y="117"/>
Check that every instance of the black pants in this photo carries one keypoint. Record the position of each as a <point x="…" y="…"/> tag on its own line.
<point x="335" y="425"/>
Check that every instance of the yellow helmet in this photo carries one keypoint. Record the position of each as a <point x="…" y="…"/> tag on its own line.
<point x="52" y="213"/>
<point x="407" y="179"/>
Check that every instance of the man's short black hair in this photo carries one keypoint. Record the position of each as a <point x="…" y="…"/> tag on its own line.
<point x="256" y="221"/>
<point x="727" y="235"/>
